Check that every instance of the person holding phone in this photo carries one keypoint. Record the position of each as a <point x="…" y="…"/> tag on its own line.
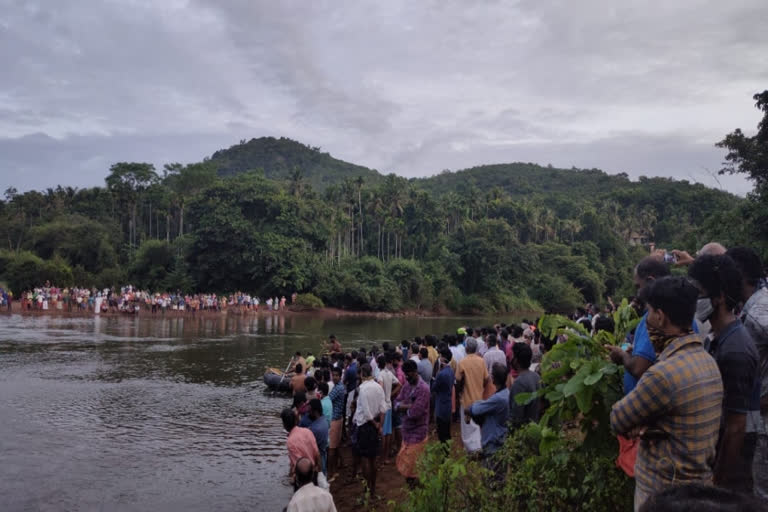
<point x="676" y="406"/>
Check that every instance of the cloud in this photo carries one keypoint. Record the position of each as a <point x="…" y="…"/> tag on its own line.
<point x="406" y="87"/>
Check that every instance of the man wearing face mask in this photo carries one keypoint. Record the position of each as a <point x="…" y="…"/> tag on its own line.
<point x="676" y="406"/>
<point x="720" y="290"/>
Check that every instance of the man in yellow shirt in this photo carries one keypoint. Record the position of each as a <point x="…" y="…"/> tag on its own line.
<point x="471" y="379"/>
<point x="431" y="342"/>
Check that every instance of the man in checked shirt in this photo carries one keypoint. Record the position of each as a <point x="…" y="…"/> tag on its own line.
<point x="676" y="406"/>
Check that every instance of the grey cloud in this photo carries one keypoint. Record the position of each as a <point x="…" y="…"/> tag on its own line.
<point x="407" y="87"/>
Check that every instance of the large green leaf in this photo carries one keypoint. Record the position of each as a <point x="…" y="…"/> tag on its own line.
<point x="592" y="378"/>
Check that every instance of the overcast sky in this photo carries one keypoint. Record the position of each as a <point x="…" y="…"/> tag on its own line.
<point x="411" y="87"/>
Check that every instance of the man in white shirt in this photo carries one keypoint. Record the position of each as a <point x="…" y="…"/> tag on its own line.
<point x="391" y="387"/>
<point x="309" y="497"/>
<point x="414" y="353"/>
<point x="493" y="354"/>
<point x="369" y="415"/>
<point x="457" y="350"/>
<point x="480" y="338"/>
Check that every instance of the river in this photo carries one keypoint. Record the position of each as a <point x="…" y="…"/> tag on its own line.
<point x="148" y="413"/>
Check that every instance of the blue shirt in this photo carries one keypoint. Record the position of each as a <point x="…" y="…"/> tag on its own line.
<point x="327" y="408"/>
<point x="337" y="395"/>
<point x="442" y="387"/>
<point x="350" y="377"/>
<point x="319" y="428"/>
<point x="492" y="415"/>
<point x="642" y="347"/>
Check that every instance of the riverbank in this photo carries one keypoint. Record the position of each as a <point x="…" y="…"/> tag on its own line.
<point x="326" y="312"/>
<point x="391" y="487"/>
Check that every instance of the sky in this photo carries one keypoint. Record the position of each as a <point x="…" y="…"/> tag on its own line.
<point x="414" y="88"/>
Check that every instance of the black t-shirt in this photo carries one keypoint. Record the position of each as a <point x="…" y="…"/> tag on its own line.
<point x="526" y="382"/>
<point x="738" y="361"/>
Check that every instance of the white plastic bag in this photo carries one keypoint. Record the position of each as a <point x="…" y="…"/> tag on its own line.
<point x="322" y="481"/>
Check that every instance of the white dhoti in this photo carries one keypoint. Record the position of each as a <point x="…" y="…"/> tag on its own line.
<point x="470" y="434"/>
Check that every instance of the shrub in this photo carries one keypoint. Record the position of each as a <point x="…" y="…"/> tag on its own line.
<point x="415" y="288"/>
<point x="24" y="270"/>
<point x="555" y="293"/>
<point x="308" y="301"/>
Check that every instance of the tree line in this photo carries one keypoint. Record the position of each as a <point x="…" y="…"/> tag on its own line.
<point x="492" y="238"/>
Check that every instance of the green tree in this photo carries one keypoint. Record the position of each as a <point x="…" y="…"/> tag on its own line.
<point x="127" y="181"/>
<point x="749" y="155"/>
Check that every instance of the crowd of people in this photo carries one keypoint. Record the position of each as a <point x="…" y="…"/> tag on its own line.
<point x="694" y="413"/>
<point x="128" y="299"/>
<point x="381" y="401"/>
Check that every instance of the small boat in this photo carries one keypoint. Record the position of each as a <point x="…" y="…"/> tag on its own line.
<point x="276" y="380"/>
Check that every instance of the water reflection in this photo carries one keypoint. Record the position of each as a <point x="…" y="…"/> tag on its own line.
<point x="153" y="413"/>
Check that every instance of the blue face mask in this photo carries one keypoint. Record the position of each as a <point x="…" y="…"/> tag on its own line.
<point x="704" y="309"/>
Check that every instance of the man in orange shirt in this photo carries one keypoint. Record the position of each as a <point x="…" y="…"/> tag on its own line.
<point x="301" y="443"/>
<point x="471" y="379"/>
<point x="297" y="381"/>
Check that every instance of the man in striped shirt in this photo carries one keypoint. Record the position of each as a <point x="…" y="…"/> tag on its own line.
<point x="676" y="406"/>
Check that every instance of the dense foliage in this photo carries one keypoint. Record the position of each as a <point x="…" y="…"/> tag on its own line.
<point x="272" y="216"/>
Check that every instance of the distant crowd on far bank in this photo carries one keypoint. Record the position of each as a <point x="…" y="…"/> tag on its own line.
<point x="129" y="300"/>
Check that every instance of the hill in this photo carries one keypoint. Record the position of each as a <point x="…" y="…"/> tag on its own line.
<point x="279" y="158"/>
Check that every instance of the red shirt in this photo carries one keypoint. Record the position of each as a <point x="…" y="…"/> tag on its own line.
<point x="301" y="443"/>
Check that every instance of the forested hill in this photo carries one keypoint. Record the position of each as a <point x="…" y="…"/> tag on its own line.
<point x="283" y="158"/>
<point x="492" y="238"/>
<point x="524" y="180"/>
<point x="663" y="206"/>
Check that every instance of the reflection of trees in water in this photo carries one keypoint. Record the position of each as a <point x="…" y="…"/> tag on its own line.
<point x="225" y="350"/>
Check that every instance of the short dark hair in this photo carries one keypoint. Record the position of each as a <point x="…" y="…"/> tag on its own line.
<point x="315" y="405"/>
<point x="310" y="383"/>
<point x="299" y="368"/>
<point x="414" y="348"/>
<point x="718" y="275"/>
<point x="409" y="366"/>
<point x="323" y="387"/>
<point x="675" y="296"/>
<point x="748" y="262"/>
<point x="523" y="355"/>
<point x="381" y="361"/>
<point x="650" y="267"/>
<point x="365" y="370"/>
<point x="492" y="341"/>
<point x="604" y="323"/>
<point x="336" y="369"/>
<point x="702" y="498"/>
<point x="299" y="398"/>
<point x="423" y="352"/>
<point x="447" y="354"/>
<point x="517" y="331"/>
<point x="499" y="373"/>
<point x="289" y="419"/>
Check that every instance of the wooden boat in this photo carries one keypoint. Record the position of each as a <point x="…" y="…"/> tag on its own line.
<point x="276" y="381"/>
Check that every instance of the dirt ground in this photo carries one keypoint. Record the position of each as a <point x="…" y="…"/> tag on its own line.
<point x="390" y="484"/>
